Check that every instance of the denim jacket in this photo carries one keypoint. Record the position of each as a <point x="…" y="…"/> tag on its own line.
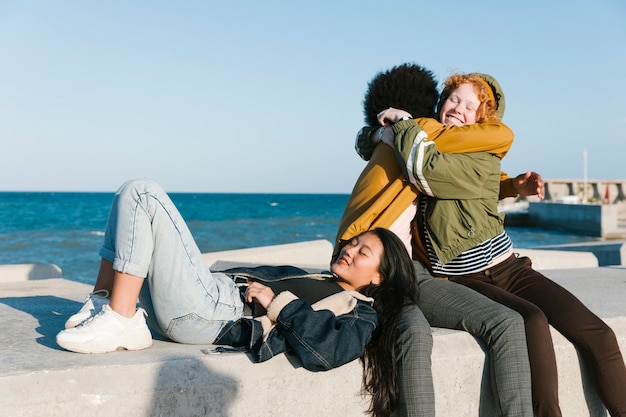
<point x="326" y="331"/>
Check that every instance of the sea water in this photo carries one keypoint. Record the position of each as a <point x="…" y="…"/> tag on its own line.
<point x="67" y="229"/>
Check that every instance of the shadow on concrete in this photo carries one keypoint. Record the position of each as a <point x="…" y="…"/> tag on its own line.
<point x="176" y="386"/>
<point x="185" y="387"/>
<point x="488" y="406"/>
<point x="50" y="312"/>
<point x="594" y="404"/>
<point x="44" y="271"/>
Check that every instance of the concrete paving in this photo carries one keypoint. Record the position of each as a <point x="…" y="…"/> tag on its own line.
<point x="38" y="378"/>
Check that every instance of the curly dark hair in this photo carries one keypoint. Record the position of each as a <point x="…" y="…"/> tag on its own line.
<point x="409" y="87"/>
<point x="397" y="290"/>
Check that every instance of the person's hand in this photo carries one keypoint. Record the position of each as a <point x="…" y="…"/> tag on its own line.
<point x="260" y="294"/>
<point x="529" y="183"/>
<point x="390" y="116"/>
<point x="382" y="134"/>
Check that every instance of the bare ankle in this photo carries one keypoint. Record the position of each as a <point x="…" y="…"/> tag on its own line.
<point x="123" y="310"/>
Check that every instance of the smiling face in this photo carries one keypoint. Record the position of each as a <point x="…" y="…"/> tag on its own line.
<point x="358" y="262"/>
<point x="461" y="106"/>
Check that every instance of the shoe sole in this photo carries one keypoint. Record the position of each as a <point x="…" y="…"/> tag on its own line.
<point x="96" y="346"/>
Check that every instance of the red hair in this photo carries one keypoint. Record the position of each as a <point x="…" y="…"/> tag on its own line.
<point x="487" y="110"/>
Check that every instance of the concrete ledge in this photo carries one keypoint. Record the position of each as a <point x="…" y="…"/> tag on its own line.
<point x="608" y="252"/>
<point x="559" y="259"/>
<point x="26" y="272"/>
<point x="313" y="253"/>
<point x="39" y="378"/>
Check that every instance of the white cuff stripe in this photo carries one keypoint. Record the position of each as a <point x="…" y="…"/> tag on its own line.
<point x="415" y="161"/>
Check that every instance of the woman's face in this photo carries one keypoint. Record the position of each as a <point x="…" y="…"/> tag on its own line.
<point x="460" y="107"/>
<point x="358" y="262"/>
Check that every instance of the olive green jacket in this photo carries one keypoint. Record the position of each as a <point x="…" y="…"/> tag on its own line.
<point x="382" y="192"/>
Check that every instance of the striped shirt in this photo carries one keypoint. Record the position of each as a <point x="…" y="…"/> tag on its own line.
<point x="472" y="260"/>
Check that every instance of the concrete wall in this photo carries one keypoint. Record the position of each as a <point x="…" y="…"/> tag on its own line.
<point x="590" y="191"/>
<point x="587" y="219"/>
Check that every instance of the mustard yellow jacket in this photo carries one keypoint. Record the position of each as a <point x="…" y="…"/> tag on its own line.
<point x="381" y="193"/>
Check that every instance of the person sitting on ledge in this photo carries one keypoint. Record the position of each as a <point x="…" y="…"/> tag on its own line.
<point x="382" y="197"/>
<point x="465" y="242"/>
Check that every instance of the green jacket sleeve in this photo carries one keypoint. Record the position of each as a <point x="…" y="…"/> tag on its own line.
<point x="492" y="137"/>
<point x="363" y="145"/>
<point x="443" y="175"/>
<point x="449" y="175"/>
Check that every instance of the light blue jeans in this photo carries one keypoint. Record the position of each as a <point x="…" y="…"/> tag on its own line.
<point x="147" y="237"/>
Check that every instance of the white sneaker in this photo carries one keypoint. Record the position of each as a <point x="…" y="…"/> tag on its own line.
<point x="106" y="332"/>
<point x="93" y="305"/>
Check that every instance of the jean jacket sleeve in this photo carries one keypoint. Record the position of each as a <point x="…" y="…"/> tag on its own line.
<point x="321" y="338"/>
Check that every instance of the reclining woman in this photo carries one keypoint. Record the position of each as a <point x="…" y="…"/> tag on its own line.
<point x="149" y="254"/>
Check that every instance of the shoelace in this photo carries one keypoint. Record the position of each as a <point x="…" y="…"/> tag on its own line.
<point x="101" y="293"/>
<point x="88" y="321"/>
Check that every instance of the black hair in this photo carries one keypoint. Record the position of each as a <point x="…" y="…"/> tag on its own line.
<point x="408" y="87"/>
<point x="397" y="290"/>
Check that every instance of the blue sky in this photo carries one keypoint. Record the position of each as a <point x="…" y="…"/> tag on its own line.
<point x="250" y="96"/>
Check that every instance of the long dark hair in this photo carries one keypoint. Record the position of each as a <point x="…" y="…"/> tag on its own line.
<point x="398" y="289"/>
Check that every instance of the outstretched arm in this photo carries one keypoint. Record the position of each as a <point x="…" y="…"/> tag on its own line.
<point x="529" y="183"/>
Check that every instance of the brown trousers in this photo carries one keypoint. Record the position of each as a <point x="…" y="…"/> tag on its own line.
<point x="541" y="301"/>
